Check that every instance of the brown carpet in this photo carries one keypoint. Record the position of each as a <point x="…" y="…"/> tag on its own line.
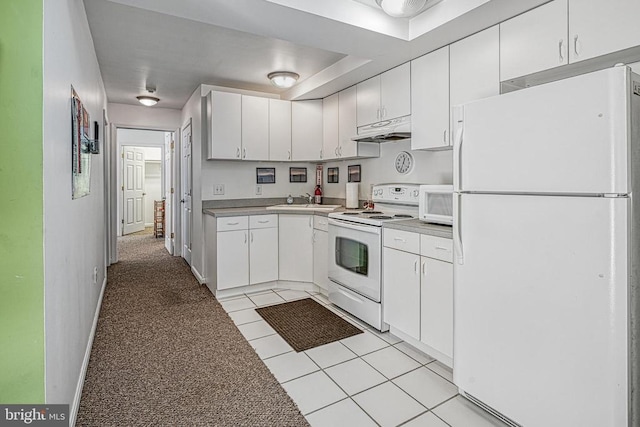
<point x="166" y="354"/>
<point x="305" y="324"/>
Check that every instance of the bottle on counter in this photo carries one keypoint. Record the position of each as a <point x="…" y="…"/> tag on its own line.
<point x="318" y="195"/>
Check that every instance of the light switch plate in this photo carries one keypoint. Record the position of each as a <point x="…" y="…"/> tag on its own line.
<point x="258" y="190"/>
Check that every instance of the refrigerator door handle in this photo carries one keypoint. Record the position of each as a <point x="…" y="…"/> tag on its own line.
<point x="457" y="240"/>
<point x="458" y="120"/>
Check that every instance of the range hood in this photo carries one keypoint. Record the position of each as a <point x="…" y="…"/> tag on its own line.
<point x="385" y="131"/>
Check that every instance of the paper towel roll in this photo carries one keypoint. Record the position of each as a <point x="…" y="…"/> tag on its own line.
<point x="352" y="195"/>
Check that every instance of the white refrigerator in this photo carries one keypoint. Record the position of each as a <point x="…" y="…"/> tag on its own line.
<point x="546" y="243"/>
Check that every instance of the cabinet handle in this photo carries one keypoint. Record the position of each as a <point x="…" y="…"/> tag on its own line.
<point x="245" y="238"/>
<point x="399" y="239"/>
<point x="575" y="45"/>
<point x="415" y="267"/>
<point x="320" y="153"/>
<point x="263" y="222"/>
<point x="560" y="43"/>
<point x="288" y="154"/>
<point x="340" y="151"/>
<point x="238" y="152"/>
<point x="233" y="223"/>
<point x="336" y="151"/>
<point x="384" y="113"/>
<point x="310" y="223"/>
<point x="378" y="115"/>
<point x="244" y="153"/>
<point x="252" y="237"/>
<point x="424" y="268"/>
<point x="444" y="136"/>
<point x="314" y="236"/>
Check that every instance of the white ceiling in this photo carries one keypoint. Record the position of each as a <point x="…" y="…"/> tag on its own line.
<point x="177" y="45"/>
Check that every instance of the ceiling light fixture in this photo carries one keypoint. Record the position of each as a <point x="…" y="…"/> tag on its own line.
<point x="401" y="8"/>
<point x="283" y="79"/>
<point x="148" y="100"/>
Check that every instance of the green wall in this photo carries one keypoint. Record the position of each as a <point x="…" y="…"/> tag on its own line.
<point x="21" y="203"/>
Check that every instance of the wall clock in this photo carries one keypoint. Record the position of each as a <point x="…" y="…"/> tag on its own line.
<point x="404" y="162"/>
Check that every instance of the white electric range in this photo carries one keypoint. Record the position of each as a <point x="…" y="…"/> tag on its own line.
<point x="355" y="250"/>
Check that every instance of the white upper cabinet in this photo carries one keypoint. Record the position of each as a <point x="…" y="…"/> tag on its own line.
<point x="255" y="128"/>
<point x="600" y="27"/>
<point x="330" y="127"/>
<point x="225" y="125"/>
<point x="475" y="67"/>
<point x="306" y="130"/>
<point x="348" y="128"/>
<point x="536" y="40"/>
<point x="279" y="130"/>
<point x="430" y="101"/>
<point x="385" y="96"/>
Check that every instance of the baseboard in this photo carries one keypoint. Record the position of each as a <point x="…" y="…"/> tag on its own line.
<point x="427" y="349"/>
<point x="73" y="411"/>
<point x="199" y="277"/>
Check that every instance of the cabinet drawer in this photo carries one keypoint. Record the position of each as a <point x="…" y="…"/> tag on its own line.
<point x="263" y="221"/>
<point x="233" y="223"/>
<point x="436" y="247"/>
<point x="402" y="240"/>
<point x="321" y="223"/>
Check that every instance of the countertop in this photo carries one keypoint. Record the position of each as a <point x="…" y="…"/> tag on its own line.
<point x="411" y="225"/>
<point x="417" y="226"/>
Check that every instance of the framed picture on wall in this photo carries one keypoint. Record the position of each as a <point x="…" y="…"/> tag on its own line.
<point x="297" y="174"/>
<point x="353" y="173"/>
<point x="266" y="175"/>
<point x="333" y="175"/>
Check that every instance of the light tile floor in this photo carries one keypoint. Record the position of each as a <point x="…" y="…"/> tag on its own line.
<point x="371" y="379"/>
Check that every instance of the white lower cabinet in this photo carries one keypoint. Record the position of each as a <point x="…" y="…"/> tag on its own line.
<point x="402" y="291"/>
<point x="418" y="289"/>
<point x="247" y="250"/>
<point x="296" y="247"/>
<point x="321" y="253"/>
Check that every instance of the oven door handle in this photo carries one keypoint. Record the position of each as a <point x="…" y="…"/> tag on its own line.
<point x="371" y="229"/>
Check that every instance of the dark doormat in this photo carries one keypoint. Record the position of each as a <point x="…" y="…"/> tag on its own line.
<point x="305" y="323"/>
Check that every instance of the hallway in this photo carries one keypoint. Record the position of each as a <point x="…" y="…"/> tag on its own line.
<point x="166" y="353"/>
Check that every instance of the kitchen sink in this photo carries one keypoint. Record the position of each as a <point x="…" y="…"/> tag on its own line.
<point x="305" y="207"/>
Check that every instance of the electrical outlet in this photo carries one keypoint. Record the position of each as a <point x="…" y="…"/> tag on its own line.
<point x="95" y="275"/>
<point x="259" y="190"/>
<point x="218" y="190"/>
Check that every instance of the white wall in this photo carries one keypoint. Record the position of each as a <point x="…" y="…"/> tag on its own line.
<point x="144" y="117"/>
<point x="430" y="167"/>
<point x="74" y="236"/>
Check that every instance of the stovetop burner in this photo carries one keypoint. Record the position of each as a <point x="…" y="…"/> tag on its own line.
<point x="373" y="212"/>
<point x="380" y="217"/>
<point x="350" y="213"/>
<point x="402" y="216"/>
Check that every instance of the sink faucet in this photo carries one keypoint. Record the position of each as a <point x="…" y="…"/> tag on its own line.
<point x="309" y="198"/>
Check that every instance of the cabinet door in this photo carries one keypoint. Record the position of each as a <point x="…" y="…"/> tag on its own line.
<point x="534" y="41"/>
<point x="279" y="129"/>
<point x="225" y="129"/>
<point x="306" y="130"/>
<point x="597" y="28"/>
<point x="348" y="127"/>
<point x="321" y="259"/>
<point x="430" y="100"/>
<point x="330" y="124"/>
<point x="296" y="247"/>
<point x="233" y="259"/>
<point x="436" y="305"/>
<point x="475" y="67"/>
<point x="402" y="291"/>
<point x="263" y="255"/>
<point x="395" y="92"/>
<point x="368" y="101"/>
<point x="255" y="128"/>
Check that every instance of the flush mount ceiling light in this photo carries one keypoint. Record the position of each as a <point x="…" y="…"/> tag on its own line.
<point x="283" y="79"/>
<point x="401" y="8"/>
<point x="148" y="100"/>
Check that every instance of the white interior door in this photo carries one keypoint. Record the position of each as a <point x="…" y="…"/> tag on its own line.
<point x="133" y="190"/>
<point x="168" y="191"/>
<point x="541" y="302"/>
<point x="186" y="193"/>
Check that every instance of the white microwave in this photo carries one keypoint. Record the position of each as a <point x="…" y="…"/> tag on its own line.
<point x="436" y="204"/>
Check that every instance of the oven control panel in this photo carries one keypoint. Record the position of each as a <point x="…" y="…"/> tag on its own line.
<point x="396" y="193"/>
